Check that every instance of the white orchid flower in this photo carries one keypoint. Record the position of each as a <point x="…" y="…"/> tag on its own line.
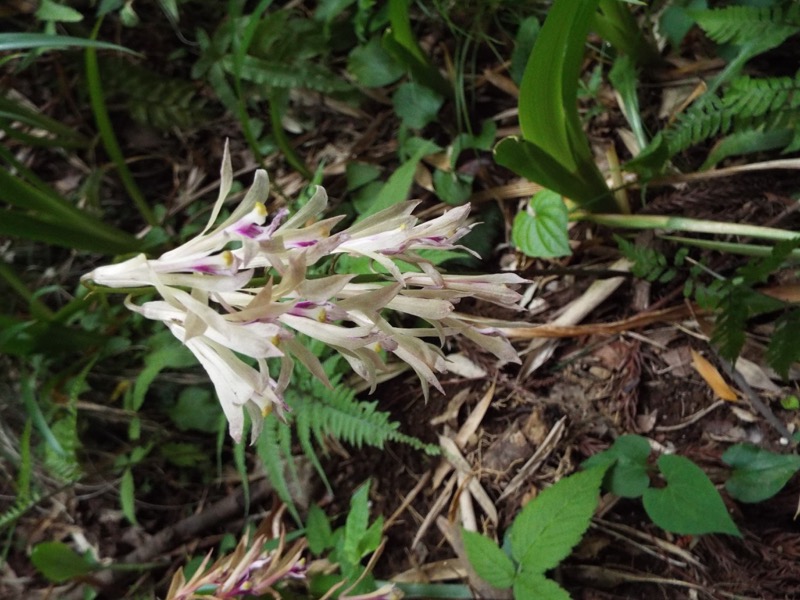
<point x="212" y="302"/>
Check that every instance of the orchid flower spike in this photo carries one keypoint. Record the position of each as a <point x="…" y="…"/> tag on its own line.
<point x="212" y="302"/>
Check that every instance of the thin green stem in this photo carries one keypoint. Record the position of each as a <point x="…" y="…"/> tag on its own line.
<point x="685" y="224"/>
<point x="98" y="102"/>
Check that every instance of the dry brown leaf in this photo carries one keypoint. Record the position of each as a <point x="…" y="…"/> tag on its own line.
<point x="712" y="377"/>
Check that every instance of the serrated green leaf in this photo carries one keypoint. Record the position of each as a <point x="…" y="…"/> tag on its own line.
<point x="536" y="585"/>
<point x="318" y="530"/>
<point x="627" y="475"/>
<point x="690" y="504"/>
<point x="58" y="562"/>
<point x="542" y="230"/>
<point x="757" y="474"/>
<point x="549" y="526"/>
<point x="490" y="562"/>
<point x="416" y="104"/>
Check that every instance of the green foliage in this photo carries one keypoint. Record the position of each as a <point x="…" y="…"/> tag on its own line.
<point x="756" y="114"/>
<point x="153" y="99"/>
<point x="59" y="563"/>
<point x="750" y="29"/>
<point x="416" y="105"/>
<point x="318" y="413"/>
<point x="541" y="231"/>
<point x="649" y="263"/>
<point x="541" y="536"/>
<point x="688" y="504"/>
<point x="629" y="476"/>
<point x="736" y="301"/>
<point x="347" y="545"/>
<point x="757" y="473"/>
<point x="554" y="150"/>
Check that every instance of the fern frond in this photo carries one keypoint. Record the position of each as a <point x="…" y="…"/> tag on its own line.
<point x="742" y="24"/>
<point x="151" y="98"/>
<point x="750" y="98"/>
<point x="784" y="346"/>
<point x="767" y="104"/>
<point x="269" y="450"/>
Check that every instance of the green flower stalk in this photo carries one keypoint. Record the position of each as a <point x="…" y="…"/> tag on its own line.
<point x="212" y="304"/>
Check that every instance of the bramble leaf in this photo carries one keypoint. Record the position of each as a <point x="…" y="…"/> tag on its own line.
<point x="490" y="562"/>
<point x="549" y="526"/>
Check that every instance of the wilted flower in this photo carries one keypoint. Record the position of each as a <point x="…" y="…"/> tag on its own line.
<point x="247" y="572"/>
<point x="241" y="288"/>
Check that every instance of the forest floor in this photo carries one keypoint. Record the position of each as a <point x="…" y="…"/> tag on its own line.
<point x="624" y="366"/>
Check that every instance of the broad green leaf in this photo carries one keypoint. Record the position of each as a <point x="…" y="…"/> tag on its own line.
<point x="690" y="504"/>
<point x="615" y="23"/>
<point x="758" y="474"/>
<point x="490" y="562"/>
<point x="537" y="586"/>
<point x="318" y="530"/>
<point x="372" y="65"/>
<point x="747" y="141"/>
<point x="416" y="104"/>
<point x="534" y="163"/>
<point x="625" y="78"/>
<point x="550" y="525"/>
<point x="627" y="475"/>
<point x="541" y="231"/>
<point x="675" y="22"/>
<point x="58" y="562"/>
<point x="523" y="45"/>
<point x="400" y="42"/>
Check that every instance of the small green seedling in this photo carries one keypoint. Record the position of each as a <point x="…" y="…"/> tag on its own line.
<point x="542" y="535"/>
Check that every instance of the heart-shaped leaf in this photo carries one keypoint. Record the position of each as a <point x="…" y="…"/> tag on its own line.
<point x="628" y="475"/>
<point x="690" y="504"/>
<point x="758" y="474"/>
<point x="542" y="230"/>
